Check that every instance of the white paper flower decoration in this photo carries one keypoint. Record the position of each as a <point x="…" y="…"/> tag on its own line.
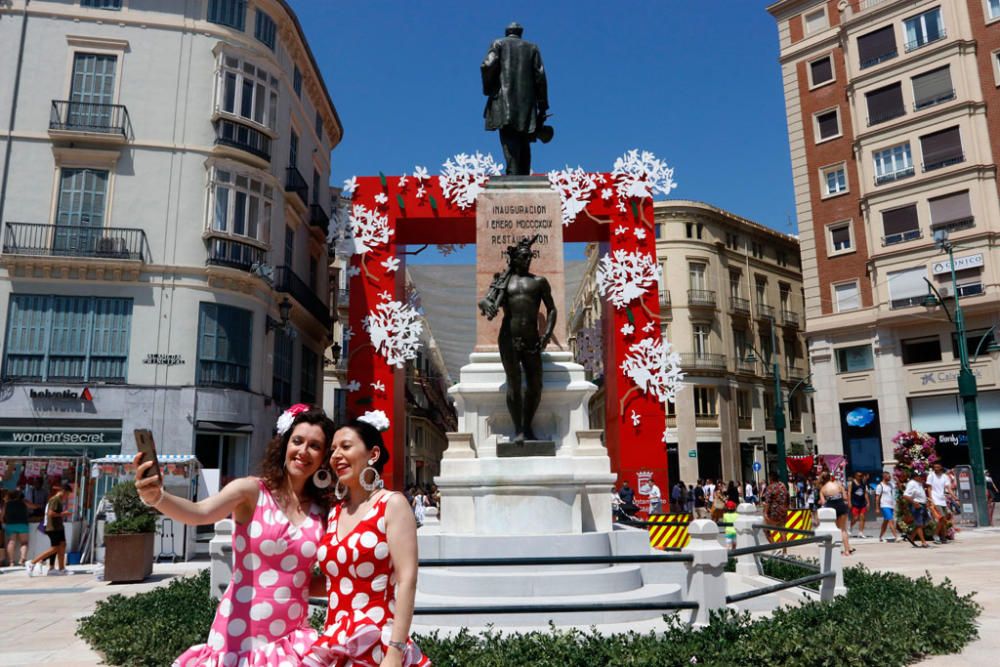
<point x="350" y="185"/>
<point x="402" y="181"/>
<point x="394" y="329"/>
<point x="636" y="418"/>
<point x="391" y="264"/>
<point x="575" y="187"/>
<point x="378" y="386"/>
<point x="639" y="232"/>
<point x="353" y="385"/>
<point x="464" y="176"/>
<point x="381" y="198"/>
<point x="606" y="193"/>
<point x="420" y="173"/>
<point x="654" y="369"/>
<point x="620" y="229"/>
<point x="642" y="175"/>
<point x="376" y="418"/>
<point x="628" y="329"/>
<point x="625" y="276"/>
<point x="353" y="271"/>
<point x="369" y="228"/>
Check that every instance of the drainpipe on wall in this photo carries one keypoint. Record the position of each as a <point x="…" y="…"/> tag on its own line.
<point x="13" y="111"/>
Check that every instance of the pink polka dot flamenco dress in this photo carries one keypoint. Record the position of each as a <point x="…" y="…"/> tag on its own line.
<point x="362" y="592"/>
<point x="263" y="618"/>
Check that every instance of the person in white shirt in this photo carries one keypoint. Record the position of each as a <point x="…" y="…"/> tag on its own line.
<point x="940" y="485"/>
<point x="709" y="490"/>
<point x="655" y="498"/>
<point x="748" y="493"/>
<point x="885" y="493"/>
<point x="916" y="497"/>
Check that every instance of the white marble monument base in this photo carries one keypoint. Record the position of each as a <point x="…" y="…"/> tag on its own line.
<point x="481" y="494"/>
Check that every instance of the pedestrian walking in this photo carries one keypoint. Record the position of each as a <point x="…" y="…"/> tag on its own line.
<point x="885" y="496"/>
<point x="15" y="523"/>
<point x="916" y="496"/>
<point x="55" y="513"/>
<point x="748" y="494"/>
<point x="655" y="497"/>
<point x="939" y="485"/>
<point x="859" y="503"/>
<point x="831" y="494"/>
<point x="419" y="504"/>
<point x="992" y="495"/>
<point x="700" y="510"/>
<point x="718" y="502"/>
<point x="774" y="499"/>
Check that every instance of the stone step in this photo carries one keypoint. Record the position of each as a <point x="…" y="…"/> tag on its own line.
<point x="539" y="620"/>
<point x="529" y="582"/>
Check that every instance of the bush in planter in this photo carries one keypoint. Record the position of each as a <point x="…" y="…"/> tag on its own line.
<point x="131" y="516"/>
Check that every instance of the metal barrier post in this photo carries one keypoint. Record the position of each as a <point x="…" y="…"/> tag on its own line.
<point x="829" y="554"/>
<point x="706" y="582"/>
<point x="220" y="551"/>
<point x="746" y="564"/>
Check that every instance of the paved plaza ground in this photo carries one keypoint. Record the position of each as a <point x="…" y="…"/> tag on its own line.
<point x="38" y="615"/>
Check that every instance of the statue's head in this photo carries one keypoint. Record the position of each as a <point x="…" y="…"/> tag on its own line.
<point x="514" y="28"/>
<point x="521" y="254"/>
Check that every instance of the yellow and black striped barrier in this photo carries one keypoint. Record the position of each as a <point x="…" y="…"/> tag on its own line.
<point x="669" y="537"/>
<point x="796" y="520"/>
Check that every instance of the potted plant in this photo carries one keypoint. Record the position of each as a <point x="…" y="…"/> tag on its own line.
<point x="128" y="540"/>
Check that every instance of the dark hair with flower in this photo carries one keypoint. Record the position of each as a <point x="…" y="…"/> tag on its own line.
<point x="915" y="454"/>
<point x="272" y="466"/>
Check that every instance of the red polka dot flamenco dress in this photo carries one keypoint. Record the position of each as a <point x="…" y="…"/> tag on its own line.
<point x="362" y="591"/>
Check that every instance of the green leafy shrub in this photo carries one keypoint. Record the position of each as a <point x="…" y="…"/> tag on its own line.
<point x="131" y="516"/>
<point x="153" y="628"/>
<point x="911" y="618"/>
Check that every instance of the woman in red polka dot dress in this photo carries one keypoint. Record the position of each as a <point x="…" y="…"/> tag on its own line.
<point x="369" y="555"/>
<point x="263" y="617"/>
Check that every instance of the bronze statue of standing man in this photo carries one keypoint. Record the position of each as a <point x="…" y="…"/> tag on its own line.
<point x="517" y="97"/>
<point x="520" y="294"/>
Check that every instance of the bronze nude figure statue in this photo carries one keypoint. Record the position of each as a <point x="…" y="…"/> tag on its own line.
<point x="517" y="97"/>
<point x="520" y="294"/>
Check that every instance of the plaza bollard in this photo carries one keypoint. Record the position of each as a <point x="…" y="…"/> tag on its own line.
<point x="829" y="554"/>
<point x="220" y="551"/>
<point x="706" y="576"/>
<point x="746" y="564"/>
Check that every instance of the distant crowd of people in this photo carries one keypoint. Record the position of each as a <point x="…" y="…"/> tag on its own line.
<point x="421" y="498"/>
<point x="41" y="503"/>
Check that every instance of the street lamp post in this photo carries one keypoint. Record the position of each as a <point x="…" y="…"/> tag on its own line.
<point x="966" y="384"/>
<point x="779" y="403"/>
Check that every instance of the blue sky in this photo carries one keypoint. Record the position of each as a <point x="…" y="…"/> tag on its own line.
<point x="695" y="81"/>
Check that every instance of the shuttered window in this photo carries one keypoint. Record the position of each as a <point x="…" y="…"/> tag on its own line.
<point x="848" y="297"/>
<point x="68" y="338"/>
<point x="102" y="4"/>
<point x="877" y="46"/>
<point x="307" y="386"/>
<point x="885" y="104"/>
<point x="821" y="70"/>
<point x="900" y="224"/>
<point x="827" y="124"/>
<point x="942" y="148"/>
<point x="932" y="88"/>
<point x="840" y="237"/>
<point x="232" y="13"/>
<point x="224" y="337"/>
<point x="281" y="388"/>
<point x="951" y="209"/>
<point x="907" y="287"/>
<point x="264" y="29"/>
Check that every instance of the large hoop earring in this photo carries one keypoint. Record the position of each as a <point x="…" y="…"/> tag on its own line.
<point x="376" y="482"/>
<point x="322" y="478"/>
<point x="340" y="490"/>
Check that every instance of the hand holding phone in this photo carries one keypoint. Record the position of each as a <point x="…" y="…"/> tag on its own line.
<point x="147" y="447"/>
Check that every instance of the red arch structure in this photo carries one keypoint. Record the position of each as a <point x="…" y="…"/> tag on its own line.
<point x="389" y="212"/>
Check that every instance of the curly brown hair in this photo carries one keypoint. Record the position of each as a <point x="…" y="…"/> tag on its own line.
<point x="272" y="467"/>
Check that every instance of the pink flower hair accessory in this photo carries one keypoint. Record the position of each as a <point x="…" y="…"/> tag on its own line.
<point x="288" y="417"/>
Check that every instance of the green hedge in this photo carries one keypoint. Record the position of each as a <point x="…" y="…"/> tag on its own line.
<point x="910" y="617"/>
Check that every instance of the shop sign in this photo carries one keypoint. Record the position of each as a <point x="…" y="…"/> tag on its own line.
<point x="692" y="453"/>
<point x="961" y="264"/>
<point x="946" y="377"/>
<point x="59" y="437"/>
<point x="163" y="359"/>
<point x="62" y="394"/>
<point x="954" y="439"/>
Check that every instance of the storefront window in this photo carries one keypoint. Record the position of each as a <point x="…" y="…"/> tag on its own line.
<point x="921" y="350"/>
<point x="855" y="358"/>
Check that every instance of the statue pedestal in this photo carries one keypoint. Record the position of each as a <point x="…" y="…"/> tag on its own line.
<point x="486" y="494"/>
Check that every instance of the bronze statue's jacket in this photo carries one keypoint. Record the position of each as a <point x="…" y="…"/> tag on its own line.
<point x="514" y="82"/>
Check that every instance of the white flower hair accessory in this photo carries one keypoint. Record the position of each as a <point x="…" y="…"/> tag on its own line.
<point x="376" y="418"/>
<point x="288" y="417"/>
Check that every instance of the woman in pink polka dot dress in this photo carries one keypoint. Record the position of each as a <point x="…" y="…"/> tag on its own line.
<point x="369" y="555"/>
<point x="263" y="618"/>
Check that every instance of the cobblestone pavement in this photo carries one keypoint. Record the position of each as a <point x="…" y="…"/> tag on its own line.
<point x="38" y="615"/>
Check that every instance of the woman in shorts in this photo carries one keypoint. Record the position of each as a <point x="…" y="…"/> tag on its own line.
<point x="15" y="523"/>
<point x="831" y="494"/>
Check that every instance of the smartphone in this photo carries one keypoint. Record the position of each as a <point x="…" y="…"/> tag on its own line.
<point x="144" y="442"/>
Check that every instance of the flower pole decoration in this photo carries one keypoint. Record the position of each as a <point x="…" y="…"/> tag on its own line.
<point x="369" y="230"/>
<point x="654" y="369"/>
<point x="915" y="455"/>
<point x="639" y="175"/>
<point x="575" y="188"/>
<point x="624" y="276"/>
<point x="464" y="177"/>
<point x="394" y="329"/>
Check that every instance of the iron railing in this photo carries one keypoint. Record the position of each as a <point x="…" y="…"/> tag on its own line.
<point x="886" y="116"/>
<point x="894" y="176"/>
<point x="664" y="298"/>
<point x="243" y="137"/>
<point x="70" y="116"/>
<point x="739" y="306"/>
<point x="915" y="44"/>
<point x="944" y="162"/>
<point x="745" y="423"/>
<point x="793" y="372"/>
<point x="871" y="62"/>
<point x="294" y="182"/>
<point x="706" y="421"/>
<point x="744" y="366"/>
<point x="931" y="101"/>
<point x="701" y="297"/>
<point x="715" y="362"/>
<point x="319" y="218"/>
<point x="902" y="237"/>
<point x="287" y="281"/>
<point x="235" y="255"/>
<point x="223" y="374"/>
<point x="765" y="312"/>
<point x="907" y="301"/>
<point x="790" y="318"/>
<point x="120" y="243"/>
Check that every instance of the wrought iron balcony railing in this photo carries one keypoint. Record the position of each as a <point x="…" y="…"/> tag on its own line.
<point x="739" y="306"/>
<point x="902" y="237"/>
<point x="886" y="116"/>
<point x="882" y="179"/>
<point x="287" y="281"/>
<point x="704" y="361"/>
<point x="235" y="255"/>
<point x="294" y="182"/>
<point x="790" y="318"/>
<point x="701" y="297"/>
<point x="765" y="312"/>
<point x="319" y="218"/>
<point x="243" y="137"/>
<point x="915" y="44"/>
<point x="931" y="101"/>
<point x="110" y="119"/>
<point x="944" y="162"/>
<point x="118" y="243"/>
<point x="881" y="58"/>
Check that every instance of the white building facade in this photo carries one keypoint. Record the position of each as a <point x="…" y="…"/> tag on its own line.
<point x="165" y="209"/>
